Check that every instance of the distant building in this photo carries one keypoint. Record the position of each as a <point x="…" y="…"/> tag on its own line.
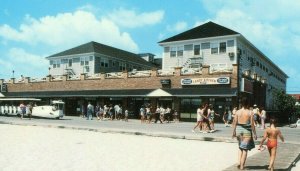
<point x="220" y="48"/>
<point x="93" y="57"/>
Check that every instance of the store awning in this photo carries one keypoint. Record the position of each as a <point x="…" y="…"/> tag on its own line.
<point x="208" y="92"/>
<point x="178" y="92"/>
<point x="83" y="93"/>
<point x="159" y="93"/>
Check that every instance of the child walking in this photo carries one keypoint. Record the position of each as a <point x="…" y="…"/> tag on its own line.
<point x="272" y="133"/>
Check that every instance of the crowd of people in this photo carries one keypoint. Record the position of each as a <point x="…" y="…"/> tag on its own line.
<point x="147" y="114"/>
<point x="160" y="114"/>
<point x="109" y="112"/>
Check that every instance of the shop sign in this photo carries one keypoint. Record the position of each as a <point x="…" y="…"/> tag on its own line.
<point x="3" y="88"/>
<point x="165" y="81"/>
<point x="205" y="81"/>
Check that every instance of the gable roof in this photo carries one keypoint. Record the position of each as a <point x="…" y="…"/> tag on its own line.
<point x="102" y="49"/>
<point x="209" y="29"/>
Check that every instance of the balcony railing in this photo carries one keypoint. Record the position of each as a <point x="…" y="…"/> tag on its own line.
<point x="114" y="75"/>
<point x="165" y="72"/>
<point x="191" y="71"/>
<point x="221" y="68"/>
<point x="135" y="73"/>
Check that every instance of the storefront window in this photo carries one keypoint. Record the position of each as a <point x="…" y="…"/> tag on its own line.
<point x="188" y="108"/>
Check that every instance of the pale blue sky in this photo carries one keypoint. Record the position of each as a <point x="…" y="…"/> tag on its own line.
<point x="32" y="30"/>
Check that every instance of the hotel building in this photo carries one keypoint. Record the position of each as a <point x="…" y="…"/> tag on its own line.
<point x="207" y="64"/>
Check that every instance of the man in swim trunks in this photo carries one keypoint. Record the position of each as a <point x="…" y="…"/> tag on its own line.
<point x="272" y="133"/>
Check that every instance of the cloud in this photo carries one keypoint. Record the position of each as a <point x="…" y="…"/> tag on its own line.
<point x="130" y="19"/>
<point x="177" y="27"/>
<point x="271" y="25"/>
<point x="69" y="29"/>
<point x="26" y="63"/>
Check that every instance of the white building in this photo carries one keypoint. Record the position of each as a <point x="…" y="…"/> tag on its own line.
<point x="221" y="48"/>
<point x="92" y="58"/>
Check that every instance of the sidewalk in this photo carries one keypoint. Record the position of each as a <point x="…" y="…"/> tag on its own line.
<point x="288" y="153"/>
<point x="287" y="156"/>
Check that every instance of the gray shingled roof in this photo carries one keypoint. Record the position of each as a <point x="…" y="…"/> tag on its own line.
<point x="208" y="29"/>
<point x="105" y="50"/>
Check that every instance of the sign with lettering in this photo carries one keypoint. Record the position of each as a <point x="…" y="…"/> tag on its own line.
<point x="3" y="88"/>
<point x="165" y="81"/>
<point x="205" y="81"/>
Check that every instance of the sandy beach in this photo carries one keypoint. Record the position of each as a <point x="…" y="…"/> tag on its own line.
<point x="40" y="148"/>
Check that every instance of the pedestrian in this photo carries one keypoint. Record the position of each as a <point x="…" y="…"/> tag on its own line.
<point x="110" y="112"/>
<point x="29" y="110"/>
<point x="244" y="130"/>
<point x="199" y="119"/>
<point x="148" y="114"/>
<point x="225" y="117"/>
<point x="272" y="133"/>
<point x="126" y="115"/>
<point x="97" y="111"/>
<point x="157" y="115"/>
<point x="105" y="111"/>
<point x="263" y="116"/>
<point x="233" y="115"/>
<point x="120" y="112"/>
<point x="205" y="122"/>
<point x="116" y="110"/>
<point x="90" y="111"/>
<point x="211" y="118"/>
<point x="168" y="114"/>
<point x="175" y="116"/>
<point x="22" y="109"/>
<point x="142" y="114"/>
<point x="256" y="115"/>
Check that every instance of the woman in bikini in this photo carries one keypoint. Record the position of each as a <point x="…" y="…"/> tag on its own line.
<point x="244" y="130"/>
<point x="272" y="133"/>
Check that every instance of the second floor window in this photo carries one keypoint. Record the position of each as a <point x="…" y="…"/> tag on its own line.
<point x="196" y="49"/>
<point x="84" y="61"/>
<point x="70" y="62"/>
<point x="214" y="48"/>
<point x="56" y="63"/>
<point x="173" y="52"/>
<point x="180" y="51"/>
<point x="104" y="63"/>
<point x="222" y="47"/>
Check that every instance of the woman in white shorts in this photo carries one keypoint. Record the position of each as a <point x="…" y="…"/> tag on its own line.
<point x="199" y="119"/>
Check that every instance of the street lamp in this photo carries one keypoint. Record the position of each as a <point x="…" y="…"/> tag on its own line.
<point x="13" y="72"/>
<point x="254" y="76"/>
<point x="49" y="70"/>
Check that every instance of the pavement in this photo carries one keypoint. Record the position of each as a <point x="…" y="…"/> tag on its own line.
<point x="288" y="152"/>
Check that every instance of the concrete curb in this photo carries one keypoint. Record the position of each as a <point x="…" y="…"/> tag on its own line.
<point x="130" y="132"/>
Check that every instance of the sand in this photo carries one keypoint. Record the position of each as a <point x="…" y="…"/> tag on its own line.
<point x="39" y="148"/>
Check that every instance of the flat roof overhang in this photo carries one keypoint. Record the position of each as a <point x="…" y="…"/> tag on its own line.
<point x="178" y="92"/>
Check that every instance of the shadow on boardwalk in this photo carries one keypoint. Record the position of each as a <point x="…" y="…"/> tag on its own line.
<point x="287" y="155"/>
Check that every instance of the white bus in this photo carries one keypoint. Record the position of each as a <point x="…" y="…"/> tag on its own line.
<point x="10" y="106"/>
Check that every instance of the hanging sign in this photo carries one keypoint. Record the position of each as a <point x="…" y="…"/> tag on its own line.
<point x="205" y="81"/>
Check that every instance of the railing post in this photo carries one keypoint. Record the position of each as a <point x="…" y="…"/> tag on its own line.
<point x="27" y="80"/>
<point x="48" y="78"/>
<point x="178" y="71"/>
<point x="64" y="78"/>
<point x="205" y="69"/>
<point x="154" y="72"/>
<point x="82" y="76"/>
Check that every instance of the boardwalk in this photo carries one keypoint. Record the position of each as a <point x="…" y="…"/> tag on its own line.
<point x="287" y="153"/>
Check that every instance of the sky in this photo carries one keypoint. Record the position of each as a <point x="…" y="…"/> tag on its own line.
<point x="32" y="30"/>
